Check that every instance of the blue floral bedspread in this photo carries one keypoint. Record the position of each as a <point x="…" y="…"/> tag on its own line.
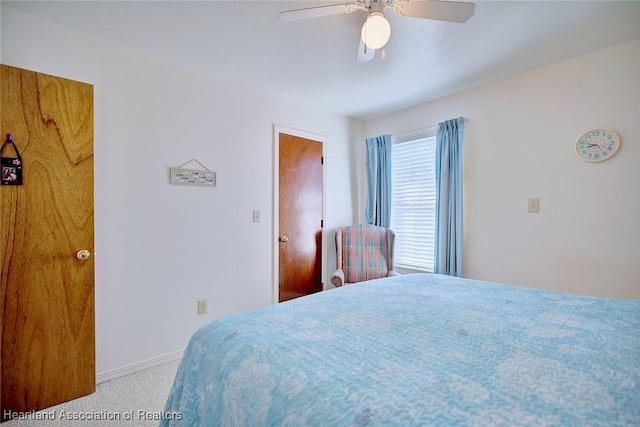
<point x="416" y="350"/>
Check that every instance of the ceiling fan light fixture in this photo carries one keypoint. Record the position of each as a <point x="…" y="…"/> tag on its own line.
<point x="376" y="30"/>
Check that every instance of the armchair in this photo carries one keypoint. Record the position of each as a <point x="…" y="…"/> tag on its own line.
<point x="363" y="252"/>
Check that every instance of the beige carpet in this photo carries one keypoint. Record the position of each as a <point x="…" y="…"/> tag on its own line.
<point x="132" y="400"/>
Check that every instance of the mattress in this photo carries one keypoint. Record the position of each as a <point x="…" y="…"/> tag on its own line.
<point x="416" y="350"/>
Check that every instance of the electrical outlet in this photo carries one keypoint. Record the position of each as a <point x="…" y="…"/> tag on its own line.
<point x="534" y="205"/>
<point x="202" y="306"/>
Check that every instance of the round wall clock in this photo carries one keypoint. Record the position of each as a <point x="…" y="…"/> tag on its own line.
<point x="597" y="145"/>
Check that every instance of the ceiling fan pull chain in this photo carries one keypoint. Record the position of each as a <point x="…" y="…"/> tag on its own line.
<point x="364" y="40"/>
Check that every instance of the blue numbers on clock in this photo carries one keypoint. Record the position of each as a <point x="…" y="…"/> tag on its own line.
<point x="597" y="145"/>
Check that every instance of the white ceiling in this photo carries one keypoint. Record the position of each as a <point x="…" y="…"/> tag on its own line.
<point x="314" y="61"/>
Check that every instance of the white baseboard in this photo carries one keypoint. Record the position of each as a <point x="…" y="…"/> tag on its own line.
<point x="138" y="366"/>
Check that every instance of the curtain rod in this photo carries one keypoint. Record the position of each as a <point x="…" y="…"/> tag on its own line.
<point x="424" y="129"/>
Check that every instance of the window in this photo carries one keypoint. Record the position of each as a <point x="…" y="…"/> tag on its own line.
<point x="413" y="201"/>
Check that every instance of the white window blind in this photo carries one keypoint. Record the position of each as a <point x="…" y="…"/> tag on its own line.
<point x="413" y="201"/>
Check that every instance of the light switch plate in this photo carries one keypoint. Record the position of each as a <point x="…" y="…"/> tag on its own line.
<point x="534" y="205"/>
<point x="256" y="215"/>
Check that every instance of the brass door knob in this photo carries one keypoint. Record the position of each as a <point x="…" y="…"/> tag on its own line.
<point x="283" y="239"/>
<point x="83" y="255"/>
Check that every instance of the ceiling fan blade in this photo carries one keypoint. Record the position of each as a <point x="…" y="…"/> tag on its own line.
<point x="439" y="10"/>
<point x="365" y="56"/>
<point x="316" y="12"/>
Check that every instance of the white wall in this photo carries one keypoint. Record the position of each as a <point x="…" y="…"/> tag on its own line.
<point x="519" y="144"/>
<point x="159" y="248"/>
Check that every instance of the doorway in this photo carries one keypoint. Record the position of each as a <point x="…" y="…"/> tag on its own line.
<point x="299" y="213"/>
<point x="47" y="328"/>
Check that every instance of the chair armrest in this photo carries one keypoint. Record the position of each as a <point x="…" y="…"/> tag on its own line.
<point x="337" y="278"/>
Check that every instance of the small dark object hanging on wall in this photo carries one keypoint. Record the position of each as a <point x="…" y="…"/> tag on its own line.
<point x="11" y="166"/>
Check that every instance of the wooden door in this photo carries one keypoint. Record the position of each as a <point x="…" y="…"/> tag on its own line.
<point x="300" y="216"/>
<point x="47" y="293"/>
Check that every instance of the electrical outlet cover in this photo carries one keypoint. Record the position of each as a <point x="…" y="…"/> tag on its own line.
<point x="202" y="306"/>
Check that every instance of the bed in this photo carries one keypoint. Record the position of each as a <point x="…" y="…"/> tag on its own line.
<point x="416" y="350"/>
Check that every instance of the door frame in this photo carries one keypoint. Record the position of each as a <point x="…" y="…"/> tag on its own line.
<point x="275" y="253"/>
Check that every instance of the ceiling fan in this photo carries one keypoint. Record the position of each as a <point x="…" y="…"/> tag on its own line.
<point x="376" y="29"/>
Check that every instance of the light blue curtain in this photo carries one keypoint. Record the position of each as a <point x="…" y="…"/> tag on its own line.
<point x="449" y="244"/>
<point x="378" y="169"/>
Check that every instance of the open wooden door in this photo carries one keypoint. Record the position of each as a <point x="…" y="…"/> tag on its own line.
<point x="300" y="216"/>
<point x="47" y="333"/>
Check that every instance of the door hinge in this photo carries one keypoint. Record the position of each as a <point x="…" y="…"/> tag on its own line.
<point x="322" y="160"/>
<point x="322" y="223"/>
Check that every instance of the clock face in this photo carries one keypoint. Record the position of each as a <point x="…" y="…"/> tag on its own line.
<point x="597" y="145"/>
